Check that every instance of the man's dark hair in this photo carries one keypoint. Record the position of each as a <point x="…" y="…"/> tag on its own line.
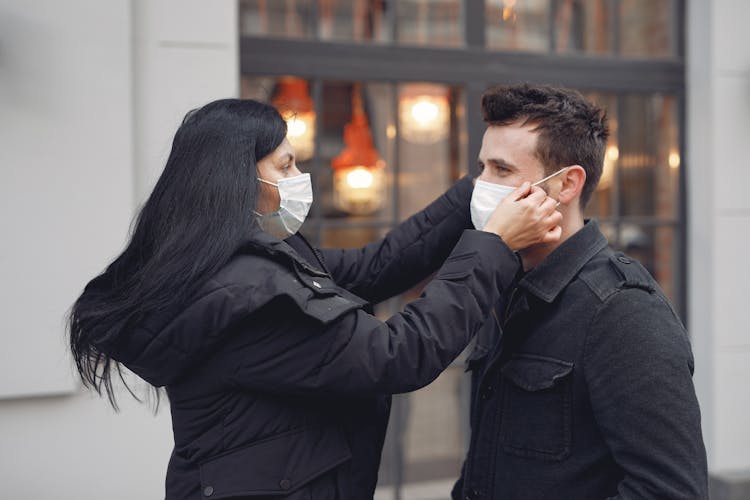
<point x="572" y="130"/>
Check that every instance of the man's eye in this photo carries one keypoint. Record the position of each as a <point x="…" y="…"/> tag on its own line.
<point x="502" y="169"/>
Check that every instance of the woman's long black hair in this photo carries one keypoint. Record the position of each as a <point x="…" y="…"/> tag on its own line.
<point x="194" y="220"/>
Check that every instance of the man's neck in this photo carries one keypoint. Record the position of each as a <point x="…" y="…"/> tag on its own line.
<point x="535" y="254"/>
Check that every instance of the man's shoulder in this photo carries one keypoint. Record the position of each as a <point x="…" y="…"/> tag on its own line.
<point x="610" y="272"/>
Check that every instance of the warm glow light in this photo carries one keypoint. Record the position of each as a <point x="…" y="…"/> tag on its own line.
<point x="358" y="171"/>
<point x="390" y="131"/>
<point x="613" y="153"/>
<point x="295" y="127"/>
<point x="424" y="113"/>
<point x="608" y="170"/>
<point x="508" y="13"/>
<point x="293" y="101"/>
<point x="674" y="159"/>
<point x="359" y="178"/>
<point x="300" y="130"/>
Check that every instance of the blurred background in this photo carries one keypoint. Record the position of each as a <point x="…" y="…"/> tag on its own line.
<point x="382" y="102"/>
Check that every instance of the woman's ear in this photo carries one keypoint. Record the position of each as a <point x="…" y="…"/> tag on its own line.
<point x="573" y="180"/>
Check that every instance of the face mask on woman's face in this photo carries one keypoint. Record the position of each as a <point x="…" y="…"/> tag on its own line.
<point x="296" y="197"/>
<point x="487" y="196"/>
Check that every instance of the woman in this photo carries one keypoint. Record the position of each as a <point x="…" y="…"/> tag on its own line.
<point x="276" y="374"/>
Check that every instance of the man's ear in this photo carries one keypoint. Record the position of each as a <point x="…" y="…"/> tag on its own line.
<point x="573" y="180"/>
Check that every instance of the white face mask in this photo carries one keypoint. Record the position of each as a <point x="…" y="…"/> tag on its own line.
<point x="487" y="196"/>
<point x="296" y="197"/>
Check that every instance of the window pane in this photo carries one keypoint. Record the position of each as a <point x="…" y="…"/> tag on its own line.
<point x="601" y="203"/>
<point x="583" y="26"/>
<point x="514" y="25"/>
<point x="436" y="23"/>
<point x="358" y="20"/>
<point x="435" y="437"/>
<point x="647" y="28"/>
<point x="277" y="18"/>
<point x="649" y="156"/>
<point x="656" y="248"/>
<point x="429" y="159"/>
<point x="356" y="157"/>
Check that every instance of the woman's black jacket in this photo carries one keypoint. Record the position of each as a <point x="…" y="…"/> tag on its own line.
<point x="277" y="376"/>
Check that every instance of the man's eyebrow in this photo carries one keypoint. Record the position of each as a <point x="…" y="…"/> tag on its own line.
<point x="499" y="162"/>
<point x="286" y="157"/>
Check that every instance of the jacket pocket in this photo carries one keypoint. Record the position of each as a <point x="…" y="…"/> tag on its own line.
<point x="536" y="409"/>
<point x="277" y="466"/>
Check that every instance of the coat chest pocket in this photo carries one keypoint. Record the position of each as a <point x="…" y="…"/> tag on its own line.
<point x="288" y="465"/>
<point x="537" y="408"/>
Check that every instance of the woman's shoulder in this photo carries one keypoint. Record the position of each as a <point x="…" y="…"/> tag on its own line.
<point x="248" y="269"/>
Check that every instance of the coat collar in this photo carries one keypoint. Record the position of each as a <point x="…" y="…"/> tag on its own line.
<point x="264" y="243"/>
<point x="549" y="278"/>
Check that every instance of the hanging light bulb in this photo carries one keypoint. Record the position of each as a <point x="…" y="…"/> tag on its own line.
<point x="358" y="172"/>
<point x="296" y="107"/>
<point x="424" y="113"/>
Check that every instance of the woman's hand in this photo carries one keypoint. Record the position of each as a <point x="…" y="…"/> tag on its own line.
<point x="526" y="217"/>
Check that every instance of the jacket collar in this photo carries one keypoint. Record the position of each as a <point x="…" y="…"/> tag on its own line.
<point x="549" y="278"/>
<point x="264" y="243"/>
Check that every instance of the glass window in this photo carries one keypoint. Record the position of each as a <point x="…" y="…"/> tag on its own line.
<point x="381" y="149"/>
<point x="649" y="156"/>
<point x="638" y="197"/>
<point x="583" y="26"/>
<point x="518" y="25"/>
<point x="436" y="23"/>
<point x="647" y="28"/>
<point x="602" y="202"/>
<point x="277" y="18"/>
<point x="356" y="21"/>
<point x="430" y="158"/>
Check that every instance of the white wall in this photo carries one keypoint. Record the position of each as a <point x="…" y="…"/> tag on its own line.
<point x="91" y="93"/>
<point x="187" y="55"/>
<point x="719" y="223"/>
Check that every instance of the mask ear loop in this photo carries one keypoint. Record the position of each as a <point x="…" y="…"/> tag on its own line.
<point x="267" y="182"/>
<point x="542" y="181"/>
<point x="550" y="176"/>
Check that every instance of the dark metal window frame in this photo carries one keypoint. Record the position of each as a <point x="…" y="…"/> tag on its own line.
<point x="474" y="68"/>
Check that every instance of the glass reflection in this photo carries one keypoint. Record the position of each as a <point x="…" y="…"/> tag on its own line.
<point x="647" y="28"/>
<point x="518" y="25"/>
<point x="436" y="23"/>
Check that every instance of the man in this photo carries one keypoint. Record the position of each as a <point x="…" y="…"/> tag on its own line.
<point x="581" y="377"/>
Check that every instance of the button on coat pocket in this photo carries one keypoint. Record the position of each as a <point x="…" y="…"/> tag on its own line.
<point x="536" y="410"/>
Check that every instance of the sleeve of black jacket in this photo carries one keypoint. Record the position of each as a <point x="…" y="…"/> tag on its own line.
<point x="357" y="353"/>
<point x="638" y="366"/>
<point x="408" y="253"/>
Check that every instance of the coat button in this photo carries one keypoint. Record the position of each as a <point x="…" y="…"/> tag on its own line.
<point x="624" y="259"/>
<point x="472" y="495"/>
<point x="285" y="484"/>
<point x="208" y="491"/>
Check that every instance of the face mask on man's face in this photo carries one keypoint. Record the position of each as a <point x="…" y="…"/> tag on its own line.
<point x="296" y="197"/>
<point x="487" y="196"/>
